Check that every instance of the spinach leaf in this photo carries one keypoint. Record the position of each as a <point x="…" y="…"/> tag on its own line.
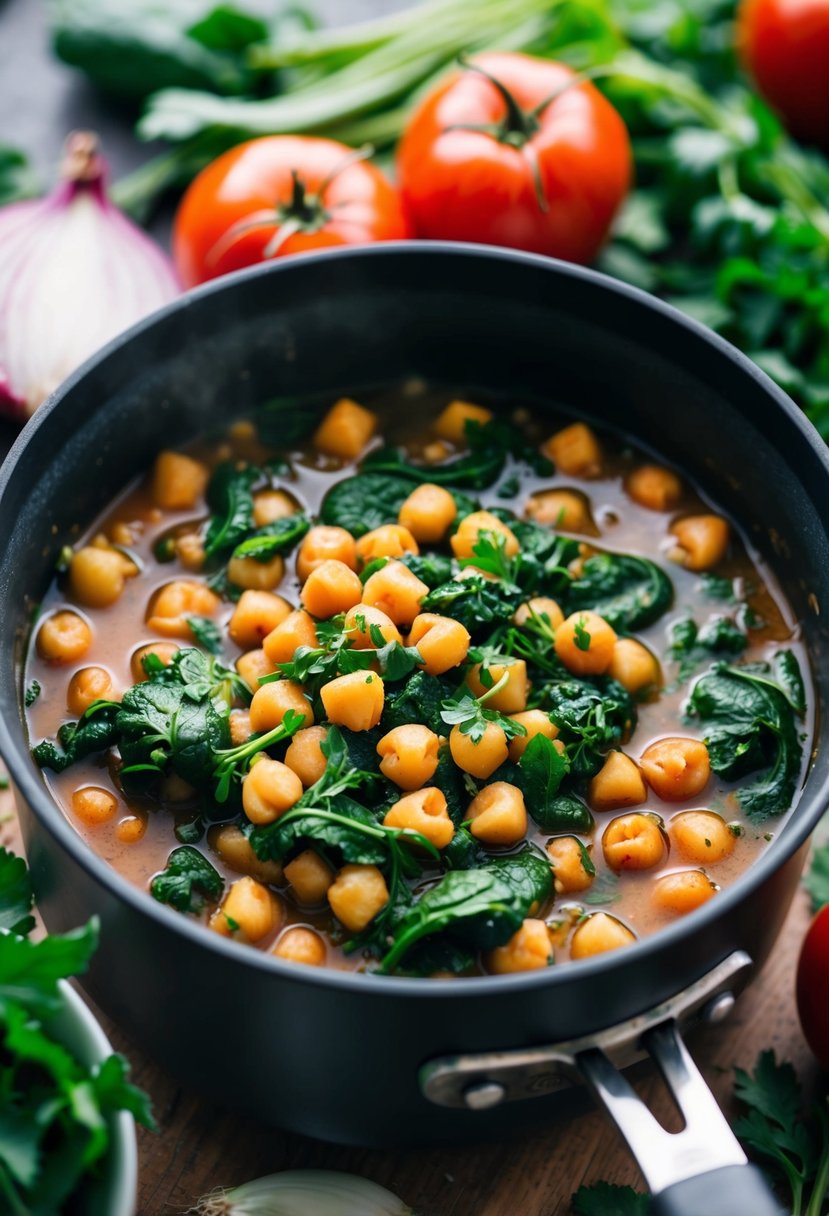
<point x="592" y="717"/>
<point x="431" y="568"/>
<point x="419" y="700"/>
<point x="364" y="502"/>
<point x="475" y="601"/>
<point x="285" y="422"/>
<point x="161" y="727"/>
<point x="690" y="645"/>
<point x="475" y="471"/>
<point x="278" y="537"/>
<point x="186" y="878"/>
<point x="629" y="592"/>
<point x="230" y="498"/>
<point x="95" y="732"/>
<point x="564" y="814"/>
<point x="206" y="633"/>
<point x="200" y="676"/>
<point x="16" y="897"/>
<point x="749" y="727"/>
<point x="787" y="673"/>
<point x="480" y="908"/>
<point x="463" y="851"/>
<point x="131" y="50"/>
<point x="542" y="768"/>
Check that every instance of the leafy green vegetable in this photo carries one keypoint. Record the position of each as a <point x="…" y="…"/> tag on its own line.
<point x="95" y="732"/>
<point x="278" y="537"/>
<point x="360" y="504"/>
<point x="607" y="1199"/>
<point x="629" y="592"/>
<point x="433" y="569"/>
<point x="468" y="713"/>
<point x="159" y="727"/>
<point x="17" y="179"/>
<point x="230" y="498"/>
<point x="787" y="673"/>
<point x="32" y="693"/>
<point x="16" y="898"/>
<point x="186" y="878"/>
<point x="690" y="646"/>
<point x="749" y="727"/>
<point x="476" y="602"/>
<point x="482" y="907"/>
<point x="816" y="880"/>
<point x="131" y="50"/>
<point x="206" y="633"/>
<point x="419" y="700"/>
<point x="543" y="767"/>
<point x="592" y="717"/>
<point x="564" y="813"/>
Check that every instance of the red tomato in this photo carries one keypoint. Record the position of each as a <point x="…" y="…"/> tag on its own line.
<point x="813" y="986"/>
<point x="278" y="195"/>
<point x="785" y="46"/>
<point x="517" y="156"/>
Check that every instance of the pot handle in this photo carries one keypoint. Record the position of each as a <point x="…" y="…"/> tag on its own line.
<point x="698" y="1171"/>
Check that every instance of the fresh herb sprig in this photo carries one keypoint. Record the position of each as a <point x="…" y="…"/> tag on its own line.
<point x="469" y="713"/>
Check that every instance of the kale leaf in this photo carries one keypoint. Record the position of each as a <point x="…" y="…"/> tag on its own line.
<point x="187" y="881"/>
<point x="749" y="728"/>
<point x="480" y="908"/>
<point x="629" y="592"/>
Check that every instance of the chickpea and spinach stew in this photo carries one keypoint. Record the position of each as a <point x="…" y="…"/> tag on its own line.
<point x="480" y="696"/>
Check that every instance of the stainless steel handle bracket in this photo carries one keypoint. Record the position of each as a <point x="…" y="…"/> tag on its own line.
<point x="483" y="1080"/>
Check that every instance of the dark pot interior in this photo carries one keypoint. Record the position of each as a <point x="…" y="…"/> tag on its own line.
<point x="333" y="324"/>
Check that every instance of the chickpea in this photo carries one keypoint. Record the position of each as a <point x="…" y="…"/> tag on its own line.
<point x="681" y="893"/>
<point x="269" y="790"/>
<point x="272" y="701"/>
<point x="248" y="912"/>
<point x="250" y="573"/>
<point x="177" y="601"/>
<point x="479" y="523"/>
<point x="535" y="722"/>
<point x="330" y="589"/>
<point x="450" y="424"/>
<point x="482" y="758"/>
<point x="63" y="638"/>
<point x="324" y="544"/>
<point x="654" y="487"/>
<point x="409" y="755"/>
<point x="396" y="591"/>
<point x="598" y="934"/>
<point x="94" y="806"/>
<point x="617" y="784"/>
<point x="361" y="621"/>
<point x="178" y="481"/>
<point x="97" y="576"/>
<point x="702" y="541"/>
<point x="240" y="727"/>
<point x="131" y="828"/>
<point x="528" y="949"/>
<point x="355" y="700"/>
<point x="570" y="873"/>
<point x="510" y="699"/>
<point x="190" y="551"/>
<point x="437" y="451"/>
<point x="702" y="837"/>
<point x="428" y="513"/>
<point x="256" y="615"/>
<point x="585" y="644"/>
<point x="443" y="643"/>
<point x="163" y="651"/>
<point x="564" y="510"/>
<point x="676" y="768"/>
<point x="271" y="505"/>
<point x="634" y="842"/>
<point x="301" y="945"/>
<point x="634" y="666"/>
<point x="296" y="630"/>
<point x="575" y="451"/>
<point x="497" y="814"/>
<point x="423" y="811"/>
<point x="87" y="686"/>
<point x="542" y="608"/>
<point x="345" y="430"/>
<point x="304" y="754"/>
<point x="357" y="894"/>
<point x="310" y="877"/>
<point x="391" y="540"/>
<point x="252" y="666"/>
<point x="236" y="851"/>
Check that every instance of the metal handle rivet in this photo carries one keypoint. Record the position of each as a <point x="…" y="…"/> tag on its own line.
<point x="719" y="1009"/>
<point x="483" y="1094"/>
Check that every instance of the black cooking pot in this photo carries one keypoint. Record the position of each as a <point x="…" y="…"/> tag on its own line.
<point x="372" y="1060"/>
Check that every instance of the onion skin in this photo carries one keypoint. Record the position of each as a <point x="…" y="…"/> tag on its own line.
<point x="304" y="1193"/>
<point x="74" y="273"/>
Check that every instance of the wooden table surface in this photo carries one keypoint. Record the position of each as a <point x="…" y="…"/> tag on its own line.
<point x="200" y="1147"/>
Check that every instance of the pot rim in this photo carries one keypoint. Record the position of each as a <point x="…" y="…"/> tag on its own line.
<point x="14" y="748"/>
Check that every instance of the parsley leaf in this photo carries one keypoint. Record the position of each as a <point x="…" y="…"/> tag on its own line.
<point x="16" y="897"/>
